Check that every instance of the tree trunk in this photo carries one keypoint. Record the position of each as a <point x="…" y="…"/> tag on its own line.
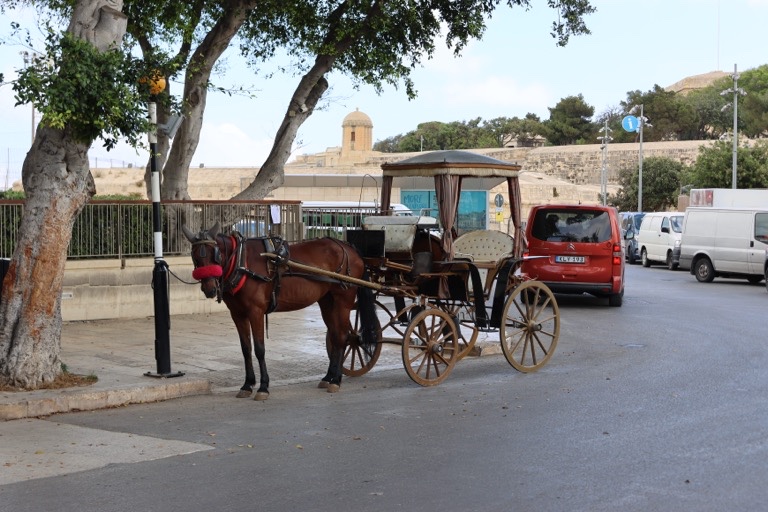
<point x="311" y="88"/>
<point x="176" y="170"/>
<point x="57" y="182"/>
<point x="272" y="174"/>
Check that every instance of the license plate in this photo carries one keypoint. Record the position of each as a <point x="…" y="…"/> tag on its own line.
<point x="569" y="259"/>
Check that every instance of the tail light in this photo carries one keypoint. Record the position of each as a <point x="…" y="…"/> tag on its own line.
<point x="617" y="255"/>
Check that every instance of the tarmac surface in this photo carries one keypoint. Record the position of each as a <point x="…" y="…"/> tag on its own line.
<point x="204" y="348"/>
<point x="206" y="356"/>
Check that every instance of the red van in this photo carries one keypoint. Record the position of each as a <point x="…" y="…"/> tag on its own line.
<point x="576" y="249"/>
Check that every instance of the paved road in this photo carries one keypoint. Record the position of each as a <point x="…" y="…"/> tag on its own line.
<point x="655" y="406"/>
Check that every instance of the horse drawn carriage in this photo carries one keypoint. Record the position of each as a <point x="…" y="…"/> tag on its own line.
<point x="404" y="282"/>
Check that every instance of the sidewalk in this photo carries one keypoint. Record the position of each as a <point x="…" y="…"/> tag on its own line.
<point x="205" y="348"/>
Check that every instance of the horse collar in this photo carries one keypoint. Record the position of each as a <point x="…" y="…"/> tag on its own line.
<point x="232" y="278"/>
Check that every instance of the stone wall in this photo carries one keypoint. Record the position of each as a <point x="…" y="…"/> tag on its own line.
<point x="102" y="289"/>
<point x="582" y="165"/>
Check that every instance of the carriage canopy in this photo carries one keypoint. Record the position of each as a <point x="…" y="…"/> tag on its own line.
<point x="447" y="171"/>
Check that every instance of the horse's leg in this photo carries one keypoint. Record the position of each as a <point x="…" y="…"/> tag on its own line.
<point x="335" y="312"/>
<point x="327" y="379"/>
<point x="257" y="327"/>
<point x="244" y="332"/>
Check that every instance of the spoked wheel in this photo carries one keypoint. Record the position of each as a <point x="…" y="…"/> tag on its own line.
<point x="393" y="331"/>
<point x="358" y="358"/>
<point x="466" y="324"/>
<point x="430" y="347"/>
<point x="530" y="327"/>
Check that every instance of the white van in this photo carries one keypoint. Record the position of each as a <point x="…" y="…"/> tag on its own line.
<point x="725" y="242"/>
<point x="659" y="238"/>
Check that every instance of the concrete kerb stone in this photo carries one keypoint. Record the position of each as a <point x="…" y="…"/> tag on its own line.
<point x="46" y="402"/>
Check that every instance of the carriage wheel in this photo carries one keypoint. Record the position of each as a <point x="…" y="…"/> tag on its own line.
<point x="531" y="326"/>
<point x="430" y="347"/>
<point x="466" y="324"/>
<point x="358" y="360"/>
<point x="393" y="331"/>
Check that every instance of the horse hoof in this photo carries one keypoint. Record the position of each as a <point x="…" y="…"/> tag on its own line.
<point x="323" y="384"/>
<point x="244" y="393"/>
<point x="333" y="388"/>
<point x="261" y="396"/>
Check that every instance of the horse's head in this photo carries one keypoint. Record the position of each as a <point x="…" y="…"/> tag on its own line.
<point x="207" y="259"/>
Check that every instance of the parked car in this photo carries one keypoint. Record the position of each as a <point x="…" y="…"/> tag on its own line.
<point x="725" y="242"/>
<point x="576" y="249"/>
<point x="630" y="226"/>
<point x="659" y="239"/>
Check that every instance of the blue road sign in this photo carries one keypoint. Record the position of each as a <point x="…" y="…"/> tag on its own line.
<point x="630" y="123"/>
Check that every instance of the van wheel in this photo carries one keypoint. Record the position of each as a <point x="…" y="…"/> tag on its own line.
<point x="615" y="300"/>
<point x="631" y="256"/>
<point x="704" y="271"/>
<point x="670" y="265"/>
<point x="644" y="257"/>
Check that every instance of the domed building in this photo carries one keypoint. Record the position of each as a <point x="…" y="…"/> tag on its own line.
<point x="356" y="144"/>
<point x="357" y="137"/>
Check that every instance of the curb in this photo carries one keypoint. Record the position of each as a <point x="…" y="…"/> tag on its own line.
<point x="33" y="404"/>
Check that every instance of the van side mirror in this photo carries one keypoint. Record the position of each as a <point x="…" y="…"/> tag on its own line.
<point x="629" y="235"/>
<point x="665" y="229"/>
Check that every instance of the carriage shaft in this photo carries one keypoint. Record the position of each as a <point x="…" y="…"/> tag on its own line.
<point x="335" y="275"/>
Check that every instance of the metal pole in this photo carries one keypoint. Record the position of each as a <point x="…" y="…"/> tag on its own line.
<point x="160" y="282"/>
<point x="735" y="125"/>
<point x="640" y="171"/>
<point x="605" y="139"/>
<point x="29" y="59"/>
<point x="602" y="175"/>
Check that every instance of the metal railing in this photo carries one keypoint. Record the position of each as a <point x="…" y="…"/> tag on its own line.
<point x="123" y="229"/>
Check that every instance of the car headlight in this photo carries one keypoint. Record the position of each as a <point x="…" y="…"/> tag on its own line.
<point x="677" y="243"/>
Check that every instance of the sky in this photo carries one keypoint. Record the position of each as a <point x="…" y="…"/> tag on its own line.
<point x="515" y="69"/>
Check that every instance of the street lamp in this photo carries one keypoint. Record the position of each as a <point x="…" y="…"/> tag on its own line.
<point x="641" y="122"/>
<point x="605" y="139"/>
<point x="736" y="91"/>
<point x="160" y="281"/>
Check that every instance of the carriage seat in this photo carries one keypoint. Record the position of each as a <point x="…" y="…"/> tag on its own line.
<point x="399" y="230"/>
<point x="486" y="248"/>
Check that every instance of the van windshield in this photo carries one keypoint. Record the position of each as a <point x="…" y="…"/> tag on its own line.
<point x="589" y="226"/>
<point x="676" y="222"/>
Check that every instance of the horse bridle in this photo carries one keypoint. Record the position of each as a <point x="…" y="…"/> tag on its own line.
<point x="212" y="270"/>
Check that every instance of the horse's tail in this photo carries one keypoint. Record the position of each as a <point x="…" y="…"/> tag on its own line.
<point x="369" y="321"/>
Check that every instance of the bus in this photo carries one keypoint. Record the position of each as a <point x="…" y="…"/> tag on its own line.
<point x="333" y="218"/>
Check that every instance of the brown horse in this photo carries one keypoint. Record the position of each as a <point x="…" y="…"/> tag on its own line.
<point x="254" y="278"/>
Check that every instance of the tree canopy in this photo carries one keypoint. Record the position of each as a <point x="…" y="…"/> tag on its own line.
<point x="714" y="166"/>
<point x="475" y="133"/>
<point x="661" y="185"/>
<point x="570" y="122"/>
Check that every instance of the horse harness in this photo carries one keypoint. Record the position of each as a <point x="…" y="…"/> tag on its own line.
<point x="235" y="269"/>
